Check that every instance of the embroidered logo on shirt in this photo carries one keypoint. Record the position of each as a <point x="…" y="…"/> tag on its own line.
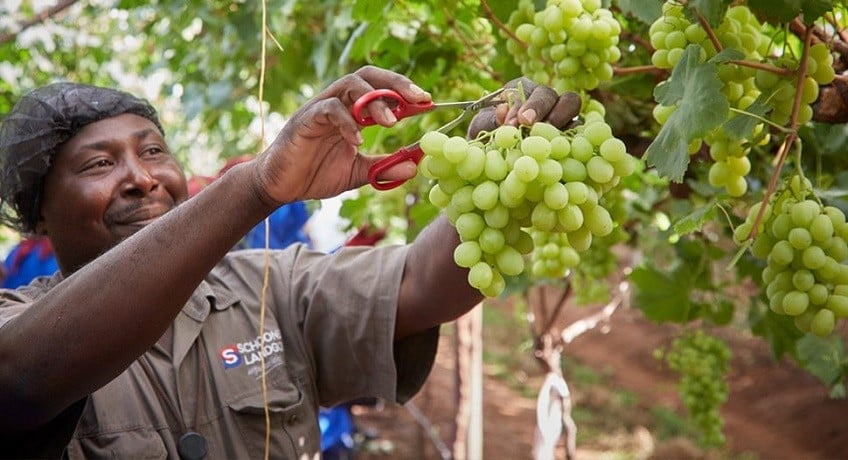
<point x="269" y="344"/>
<point x="230" y="356"/>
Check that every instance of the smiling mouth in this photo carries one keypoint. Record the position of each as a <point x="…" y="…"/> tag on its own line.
<point x="139" y="217"/>
<point x="138" y="222"/>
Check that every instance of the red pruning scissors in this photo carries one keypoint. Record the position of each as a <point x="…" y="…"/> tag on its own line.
<point x="403" y="109"/>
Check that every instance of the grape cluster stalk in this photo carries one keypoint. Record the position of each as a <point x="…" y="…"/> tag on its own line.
<point x="525" y="199"/>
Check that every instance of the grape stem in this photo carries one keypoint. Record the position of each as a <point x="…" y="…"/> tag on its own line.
<point x="754" y="65"/>
<point x="500" y="25"/>
<point x="762" y="66"/>
<point x="710" y="32"/>
<point x="762" y="119"/>
<point x="792" y="137"/>
<point x="638" y="69"/>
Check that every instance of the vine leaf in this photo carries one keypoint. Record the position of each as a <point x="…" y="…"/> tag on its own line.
<point x="695" y="220"/>
<point x="646" y="11"/>
<point x="823" y="358"/>
<point x="712" y="10"/>
<point x="695" y="89"/>
<point x="662" y="296"/>
<point x="781" y="11"/>
<point x="742" y="126"/>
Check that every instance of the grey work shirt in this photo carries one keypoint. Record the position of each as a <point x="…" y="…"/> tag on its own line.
<point x="328" y="338"/>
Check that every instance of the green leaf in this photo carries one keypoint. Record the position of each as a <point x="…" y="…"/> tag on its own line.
<point x="646" y="11"/>
<point x="721" y="313"/>
<point x="696" y="90"/>
<point x="696" y="220"/>
<point x="782" y="11"/>
<point x="779" y="330"/>
<point x="741" y="126"/>
<point x="814" y="9"/>
<point x="368" y="9"/>
<point x="662" y="296"/>
<point x="727" y="55"/>
<point x="712" y="10"/>
<point x="825" y="138"/>
<point x="823" y="357"/>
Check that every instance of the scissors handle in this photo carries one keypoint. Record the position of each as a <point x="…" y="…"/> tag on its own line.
<point x="409" y="153"/>
<point x="402" y="108"/>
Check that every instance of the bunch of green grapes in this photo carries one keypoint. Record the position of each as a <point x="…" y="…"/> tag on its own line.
<point x="804" y="246"/>
<point x="780" y="89"/>
<point x="570" y="44"/>
<point x="740" y="30"/>
<point x="670" y="35"/>
<point x="513" y="184"/>
<point x="702" y="362"/>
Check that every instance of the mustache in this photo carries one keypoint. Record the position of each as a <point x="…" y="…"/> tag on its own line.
<point x="139" y="210"/>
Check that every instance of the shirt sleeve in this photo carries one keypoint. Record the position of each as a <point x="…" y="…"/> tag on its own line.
<point x="49" y="440"/>
<point x="348" y="308"/>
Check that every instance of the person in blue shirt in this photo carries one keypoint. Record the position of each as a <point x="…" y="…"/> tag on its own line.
<point x="29" y="259"/>
<point x="286" y="228"/>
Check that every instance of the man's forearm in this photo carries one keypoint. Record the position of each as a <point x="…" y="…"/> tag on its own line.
<point x="91" y="326"/>
<point x="434" y="289"/>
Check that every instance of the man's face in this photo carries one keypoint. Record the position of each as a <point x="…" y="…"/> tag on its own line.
<point x="107" y="182"/>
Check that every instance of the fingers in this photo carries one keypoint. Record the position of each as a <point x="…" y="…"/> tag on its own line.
<point x="351" y="87"/>
<point x="381" y="78"/>
<point x="538" y="104"/>
<point x="486" y="120"/>
<point x="332" y="112"/>
<point x="566" y="109"/>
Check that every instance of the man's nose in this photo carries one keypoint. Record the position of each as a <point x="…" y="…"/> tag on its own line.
<point x="138" y="179"/>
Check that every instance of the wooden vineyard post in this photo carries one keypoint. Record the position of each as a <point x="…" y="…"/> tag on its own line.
<point x="468" y="439"/>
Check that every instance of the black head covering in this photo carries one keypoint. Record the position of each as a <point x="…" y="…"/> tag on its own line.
<point x="38" y="124"/>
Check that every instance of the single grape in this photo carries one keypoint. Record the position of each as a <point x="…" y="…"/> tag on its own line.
<point x="467" y="254"/>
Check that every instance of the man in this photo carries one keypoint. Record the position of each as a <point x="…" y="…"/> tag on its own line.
<point x="147" y="343"/>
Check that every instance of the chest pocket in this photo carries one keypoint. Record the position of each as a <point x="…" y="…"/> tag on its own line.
<point x="293" y="428"/>
<point x="137" y="444"/>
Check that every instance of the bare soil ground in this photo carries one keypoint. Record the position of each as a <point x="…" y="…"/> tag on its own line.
<point x="775" y="410"/>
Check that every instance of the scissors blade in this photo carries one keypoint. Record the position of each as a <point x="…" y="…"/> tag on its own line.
<point x="470" y="108"/>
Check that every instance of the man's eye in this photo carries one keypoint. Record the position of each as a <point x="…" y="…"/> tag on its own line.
<point x="153" y="151"/>
<point x="97" y="164"/>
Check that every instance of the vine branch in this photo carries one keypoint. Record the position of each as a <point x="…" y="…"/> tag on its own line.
<point x="792" y="137"/>
<point x="38" y="19"/>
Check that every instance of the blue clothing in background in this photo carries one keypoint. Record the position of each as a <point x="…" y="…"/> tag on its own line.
<point x="31" y="258"/>
<point x="286" y="223"/>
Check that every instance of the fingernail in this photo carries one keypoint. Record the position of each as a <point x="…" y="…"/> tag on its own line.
<point x="529" y="115"/>
<point x="390" y="115"/>
<point x="359" y="139"/>
<point x="417" y="89"/>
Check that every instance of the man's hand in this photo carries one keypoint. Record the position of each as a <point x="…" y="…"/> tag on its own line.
<point x="541" y="104"/>
<point x="316" y="154"/>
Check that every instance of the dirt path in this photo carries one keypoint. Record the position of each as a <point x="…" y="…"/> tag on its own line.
<point x="775" y="411"/>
